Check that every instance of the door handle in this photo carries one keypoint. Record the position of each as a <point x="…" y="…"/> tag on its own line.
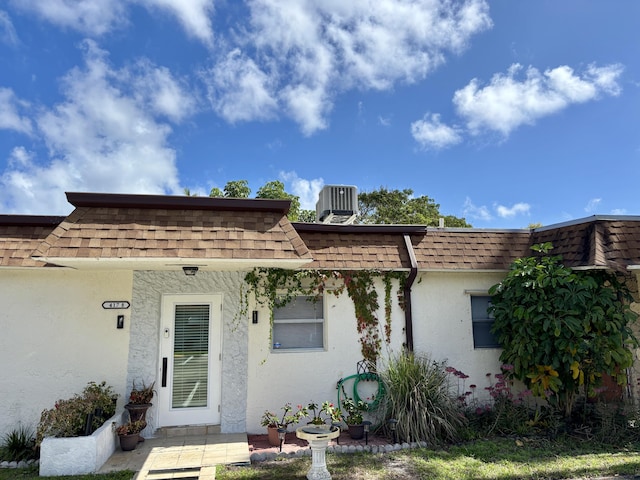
<point x="164" y="371"/>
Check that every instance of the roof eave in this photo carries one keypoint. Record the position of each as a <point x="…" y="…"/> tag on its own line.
<point x="175" y="202"/>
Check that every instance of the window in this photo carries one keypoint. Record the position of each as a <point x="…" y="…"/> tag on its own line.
<point x="482" y="323"/>
<point x="299" y="324"/>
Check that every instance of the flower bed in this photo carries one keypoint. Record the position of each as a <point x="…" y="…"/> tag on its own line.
<point x="80" y="455"/>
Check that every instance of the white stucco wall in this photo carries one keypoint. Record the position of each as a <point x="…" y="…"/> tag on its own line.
<point x="144" y="357"/>
<point x="55" y="337"/>
<point x="278" y="377"/>
<point x="442" y="323"/>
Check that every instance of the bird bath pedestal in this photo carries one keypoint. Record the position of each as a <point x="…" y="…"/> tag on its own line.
<point x="318" y="439"/>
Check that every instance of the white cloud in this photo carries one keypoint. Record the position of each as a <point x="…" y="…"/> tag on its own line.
<point x="194" y="15"/>
<point x="161" y="92"/>
<point x="11" y="117"/>
<point x="515" y="209"/>
<point x="384" y="121"/>
<point x="619" y="211"/>
<point x="307" y="190"/>
<point x="430" y="133"/>
<point x="509" y="101"/>
<point x="91" y="17"/>
<point x="483" y="213"/>
<point x="99" y="17"/>
<point x="102" y="137"/>
<point x="310" y="51"/>
<point x="8" y="33"/>
<point x="469" y="210"/>
<point x="592" y="205"/>
<point x="239" y="90"/>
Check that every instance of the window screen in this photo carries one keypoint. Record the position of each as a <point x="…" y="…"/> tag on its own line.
<point x="299" y="324"/>
<point x="482" y="323"/>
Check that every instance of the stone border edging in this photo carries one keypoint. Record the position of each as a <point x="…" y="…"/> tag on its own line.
<point x="306" y="451"/>
<point x="20" y="464"/>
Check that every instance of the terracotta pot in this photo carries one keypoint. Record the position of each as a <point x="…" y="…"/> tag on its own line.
<point x="356" y="431"/>
<point x="128" y="442"/>
<point x="274" y="440"/>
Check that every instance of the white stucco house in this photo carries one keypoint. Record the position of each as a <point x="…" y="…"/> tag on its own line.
<point x="103" y="294"/>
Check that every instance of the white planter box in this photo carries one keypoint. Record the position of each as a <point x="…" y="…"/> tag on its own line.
<point x="79" y="455"/>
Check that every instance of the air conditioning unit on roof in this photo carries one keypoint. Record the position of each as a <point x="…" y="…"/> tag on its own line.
<point x="337" y="204"/>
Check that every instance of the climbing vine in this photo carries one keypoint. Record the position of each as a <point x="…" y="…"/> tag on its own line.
<point x="276" y="287"/>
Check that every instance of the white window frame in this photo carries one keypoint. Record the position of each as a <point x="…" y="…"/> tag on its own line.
<point x="275" y="348"/>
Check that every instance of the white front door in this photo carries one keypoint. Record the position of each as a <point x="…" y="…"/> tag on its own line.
<point x="190" y="365"/>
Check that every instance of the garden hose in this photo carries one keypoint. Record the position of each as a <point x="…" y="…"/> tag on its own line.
<point x="373" y="405"/>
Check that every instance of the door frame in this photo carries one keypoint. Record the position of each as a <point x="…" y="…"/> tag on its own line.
<point x="168" y="416"/>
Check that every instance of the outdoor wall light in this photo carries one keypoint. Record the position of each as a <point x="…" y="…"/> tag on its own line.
<point x="393" y="423"/>
<point x="367" y="426"/>
<point x="281" y="434"/>
<point x="190" y="271"/>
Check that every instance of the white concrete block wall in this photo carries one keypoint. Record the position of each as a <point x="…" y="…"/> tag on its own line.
<point x="56" y="337"/>
<point x="278" y="377"/>
<point x="442" y="323"/>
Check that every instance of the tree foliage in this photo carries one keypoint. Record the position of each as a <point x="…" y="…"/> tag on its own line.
<point x="275" y="191"/>
<point x="385" y="206"/>
<point x="562" y="329"/>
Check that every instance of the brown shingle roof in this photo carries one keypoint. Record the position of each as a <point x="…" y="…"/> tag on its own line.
<point x="20" y="235"/>
<point x="470" y="249"/>
<point x="382" y="247"/>
<point x="597" y="242"/>
<point x="143" y="227"/>
<point x="334" y="250"/>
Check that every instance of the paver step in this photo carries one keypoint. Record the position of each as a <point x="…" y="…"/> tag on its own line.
<point x="194" y="473"/>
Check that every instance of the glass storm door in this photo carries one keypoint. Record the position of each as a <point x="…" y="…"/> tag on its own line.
<point x="190" y="381"/>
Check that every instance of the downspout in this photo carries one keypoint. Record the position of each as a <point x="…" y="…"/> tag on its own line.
<point x="408" y="317"/>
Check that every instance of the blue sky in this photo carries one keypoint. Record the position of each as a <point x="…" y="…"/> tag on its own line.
<point x="506" y="113"/>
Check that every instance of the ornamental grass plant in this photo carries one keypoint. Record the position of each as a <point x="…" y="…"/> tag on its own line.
<point x="419" y="397"/>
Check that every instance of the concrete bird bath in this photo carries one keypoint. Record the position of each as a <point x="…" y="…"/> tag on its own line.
<point x="318" y="439"/>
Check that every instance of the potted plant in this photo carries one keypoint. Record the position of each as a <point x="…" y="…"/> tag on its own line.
<point x="139" y="401"/>
<point x="320" y="414"/>
<point x="273" y="422"/>
<point x="353" y="416"/>
<point x="129" y="434"/>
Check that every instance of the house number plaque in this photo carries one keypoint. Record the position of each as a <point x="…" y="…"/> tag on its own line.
<point x="115" y="304"/>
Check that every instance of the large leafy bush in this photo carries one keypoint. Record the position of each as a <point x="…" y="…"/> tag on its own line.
<point x="561" y="329"/>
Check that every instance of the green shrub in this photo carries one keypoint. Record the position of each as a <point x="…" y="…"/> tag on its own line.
<point x="419" y="397"/>
<point x="17" y="445"/>
<point x="68" y="417"/>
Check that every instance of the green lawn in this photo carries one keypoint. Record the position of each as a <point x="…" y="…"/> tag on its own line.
<point x="497" y="459"/>
<point x="501" y="459"/>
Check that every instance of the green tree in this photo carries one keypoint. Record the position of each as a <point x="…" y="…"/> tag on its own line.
<point x="308" y="216"/>
<point x="562" y="329"/>
<point x="237" y="189"/>
<point x="385" y="206"/>
<point x="275" y="191"/>
<point x="216" y="193"/>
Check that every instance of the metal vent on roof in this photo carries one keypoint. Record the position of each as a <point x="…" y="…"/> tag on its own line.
<point x="337" y="204"/>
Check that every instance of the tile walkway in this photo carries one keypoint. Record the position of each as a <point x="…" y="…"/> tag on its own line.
<point x="185" y="457"/>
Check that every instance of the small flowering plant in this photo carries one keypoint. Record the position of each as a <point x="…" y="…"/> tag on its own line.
<point x="271" y="419"/>
<point x="131" y="427"/>
<point x="327" y="409"/>
<point x="353" y="410"/>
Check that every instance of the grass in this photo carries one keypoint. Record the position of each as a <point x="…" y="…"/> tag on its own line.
<point x="499" y="459"/>
<point x="32" y="474"/>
